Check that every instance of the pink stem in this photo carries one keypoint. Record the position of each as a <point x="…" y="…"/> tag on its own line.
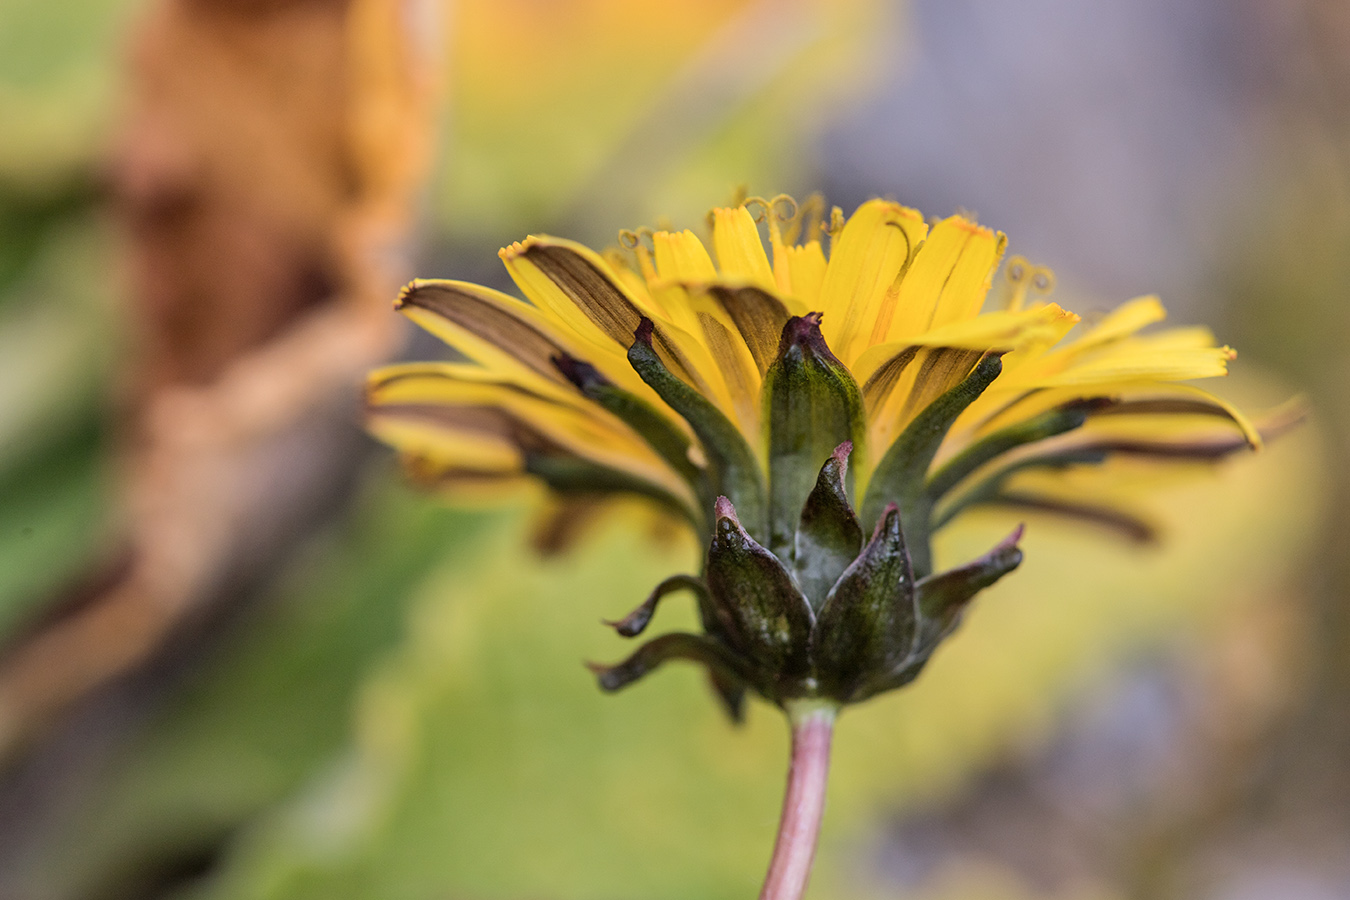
<point x="803" y="806"/>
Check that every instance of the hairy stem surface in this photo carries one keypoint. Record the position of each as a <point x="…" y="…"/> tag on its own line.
<point x="803" y="805"/>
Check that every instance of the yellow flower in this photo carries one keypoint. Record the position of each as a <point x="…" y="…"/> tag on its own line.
<point x="900" y="306"/>
<point x="769" y="395"/>
<point x="788" y="403"/>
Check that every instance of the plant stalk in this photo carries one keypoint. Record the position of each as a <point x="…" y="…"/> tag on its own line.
<point x="803" y="804"/>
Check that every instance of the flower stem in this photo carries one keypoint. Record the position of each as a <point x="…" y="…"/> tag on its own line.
<point x="804" y="803"/>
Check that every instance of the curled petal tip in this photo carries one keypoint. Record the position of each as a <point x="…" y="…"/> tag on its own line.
<point x="842" y="452"/>
<point x="605" y="676"/>
<point x="723" y="509"/>
<point x="628" y="627"/>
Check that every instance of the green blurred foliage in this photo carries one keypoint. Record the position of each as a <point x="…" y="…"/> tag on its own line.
<point x="266" y="711"/>
<point x="58" y="335"/>
<point x="58" y="345"/>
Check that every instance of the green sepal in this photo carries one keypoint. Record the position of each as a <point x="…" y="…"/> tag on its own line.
<point x="668" y="440"/>
<point x="767" y="618"/>
<point x="678" y="645"/>
<point x="734" y="470"/>
<point x="943" y="597"/>
<point x="811" y="405"/>
<point x="828" y="535"/>
<point x="990" y="489"/>
<point x="1047" y="425"/>
<point x="571" y="475"/>
<point x="900" y="476"/>
<point x="637" y="621"/>
<point x="869" y="622"/>
<point x="1122" y="522"/>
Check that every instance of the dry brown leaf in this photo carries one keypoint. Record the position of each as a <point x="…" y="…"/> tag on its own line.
<point x="271" y="156"/>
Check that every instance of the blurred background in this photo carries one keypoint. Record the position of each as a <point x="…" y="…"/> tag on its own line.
<point x="240" y="657"/>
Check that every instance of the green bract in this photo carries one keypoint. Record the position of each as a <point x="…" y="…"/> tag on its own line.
<point x="822" y="611"/>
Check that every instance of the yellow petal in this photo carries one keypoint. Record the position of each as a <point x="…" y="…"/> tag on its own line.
<point x="911" y="380"/>
<point x="758" y="315"/>
<point x="1177" y="355"/>
<point x="531" y="422"/>
<point x="508" y="336"/>
<point x="574" y="285"/>
<point x="444" y="447"/>
<point x="948" y="280"/>
<point x="876" y="243"/>
<point x="1000" y="330"/>
<point x="1249" y="429"/>
<point x="681" y="256"/>
<point x="736" y="365"/>
<point x="806" y="267"/>
<point x="740" y="252"/>
<point x="1123" y="321"/>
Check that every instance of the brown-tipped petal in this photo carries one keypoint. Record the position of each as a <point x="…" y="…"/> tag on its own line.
<point x="585" y="283"/>
<point x="636" y="621"/>
<point x="489" y="327"/>
<point x="758" y="315"/>
<point x="828" y="534"/>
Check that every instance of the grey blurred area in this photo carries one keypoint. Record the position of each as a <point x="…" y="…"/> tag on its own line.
<point x="1200" y="151"/>
<point x="1107" y="138"/>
